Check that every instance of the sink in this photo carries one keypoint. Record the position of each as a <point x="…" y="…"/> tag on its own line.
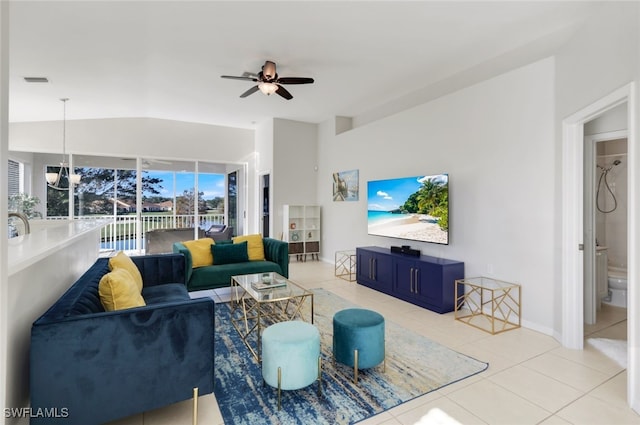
<point x="13" y="229"/>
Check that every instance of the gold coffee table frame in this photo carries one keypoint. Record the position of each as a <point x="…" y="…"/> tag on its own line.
<point x="252" y="309"/>
<point x="488" y="304"/>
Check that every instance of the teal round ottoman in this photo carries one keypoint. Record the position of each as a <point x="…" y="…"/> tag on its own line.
<point x="358" y="339"/>
<point x="291" y="356"/>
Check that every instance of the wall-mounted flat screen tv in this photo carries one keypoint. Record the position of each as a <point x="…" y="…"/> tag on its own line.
<point x="413" y="208"/>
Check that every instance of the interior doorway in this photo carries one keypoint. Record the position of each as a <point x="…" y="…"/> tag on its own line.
<point x="573" y="230"/>
<point x="265" y="203"/>
<point x="233" y="219"/>
<point x="604" y="203"/>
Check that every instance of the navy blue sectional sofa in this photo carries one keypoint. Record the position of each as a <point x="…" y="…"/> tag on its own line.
<point x="100" y="366"/>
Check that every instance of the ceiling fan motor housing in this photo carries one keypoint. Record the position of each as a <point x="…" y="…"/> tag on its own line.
<point x="269" y="70"/>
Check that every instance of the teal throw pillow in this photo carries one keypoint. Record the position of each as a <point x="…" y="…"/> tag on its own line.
<point x="229" y="253"/>
<point x="225" y="242"/>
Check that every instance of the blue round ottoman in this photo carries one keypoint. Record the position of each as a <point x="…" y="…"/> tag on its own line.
<point x="358" y="339"/>
<point x="291" y="356"/>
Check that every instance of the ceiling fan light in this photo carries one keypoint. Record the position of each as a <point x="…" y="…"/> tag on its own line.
<point x="267" y="88"/>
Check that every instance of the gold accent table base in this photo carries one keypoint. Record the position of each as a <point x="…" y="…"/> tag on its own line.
<point x="195" y="406"/>
<point x="345" y="265"/>
<point x="488" y="304"/>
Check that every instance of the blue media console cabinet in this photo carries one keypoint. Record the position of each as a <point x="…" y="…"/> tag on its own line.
<point x="425" y="281"/>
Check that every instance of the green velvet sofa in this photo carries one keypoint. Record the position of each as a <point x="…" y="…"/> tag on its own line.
<point x="219" y="276"/>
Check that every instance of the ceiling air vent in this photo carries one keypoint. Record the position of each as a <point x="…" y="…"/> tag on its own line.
<point x="36" y="79"/>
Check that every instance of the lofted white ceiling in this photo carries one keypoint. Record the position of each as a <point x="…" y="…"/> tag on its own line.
<point x="163" y="59"/>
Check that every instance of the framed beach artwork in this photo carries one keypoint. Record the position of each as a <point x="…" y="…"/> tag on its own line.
<point x="345" y="186"/>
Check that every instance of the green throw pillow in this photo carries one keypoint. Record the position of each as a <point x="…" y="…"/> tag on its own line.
<point x="229" y="253"/>
<point x="226" y="242"/>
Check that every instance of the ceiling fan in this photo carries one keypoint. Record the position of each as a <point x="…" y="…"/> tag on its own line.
<point x="269" y="82"/>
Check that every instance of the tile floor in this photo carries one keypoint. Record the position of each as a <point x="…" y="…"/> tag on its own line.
<point x="531" y="379"/>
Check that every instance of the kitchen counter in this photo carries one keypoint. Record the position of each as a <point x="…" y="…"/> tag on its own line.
<point x="42" y="266"/>
<point x="47" y="238"/>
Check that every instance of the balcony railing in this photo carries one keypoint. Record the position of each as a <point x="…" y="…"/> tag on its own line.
<point x="120" y="233"/>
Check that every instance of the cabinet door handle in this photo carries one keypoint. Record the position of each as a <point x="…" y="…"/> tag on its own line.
<point x="411" y="282"/>
<point x="375" y="268"/>
<point x="415" y="281"/>
<point x="371" y="268"/>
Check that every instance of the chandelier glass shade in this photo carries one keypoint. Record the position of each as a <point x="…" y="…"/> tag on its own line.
<point x="55" y="180"/>
<point x="267" y="88"/>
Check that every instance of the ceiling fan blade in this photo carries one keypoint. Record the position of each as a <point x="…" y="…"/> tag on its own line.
<point x="294" y="80"/>
<point x="284" y="93"/>
<point x="233" y="77"/>
<point x="252" y="90"/>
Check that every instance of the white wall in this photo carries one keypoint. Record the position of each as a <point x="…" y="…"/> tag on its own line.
<point x="264" y="146"/>
<point x="496" y="141"/>
<point x="295" y="153"/>
<point x="135" y="137"/>
<point x="288" y="151"/>
<point x="600" y="58"/>
<point x="264" y="152"/>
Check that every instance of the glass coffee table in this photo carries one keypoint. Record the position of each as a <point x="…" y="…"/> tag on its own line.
<point x="259" y="300"/>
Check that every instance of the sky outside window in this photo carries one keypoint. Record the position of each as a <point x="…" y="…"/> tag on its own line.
<point x="212" y="185"/>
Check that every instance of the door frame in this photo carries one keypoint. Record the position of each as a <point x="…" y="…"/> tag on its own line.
<point x="573" y="231"/>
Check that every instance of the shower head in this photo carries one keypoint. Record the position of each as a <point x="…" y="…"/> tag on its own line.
<point x="617" y="162"/>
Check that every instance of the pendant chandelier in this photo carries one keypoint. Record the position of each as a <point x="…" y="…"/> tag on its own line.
<point x="55" y="179"/>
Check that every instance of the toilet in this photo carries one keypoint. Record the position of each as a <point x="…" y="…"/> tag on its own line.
<point x="617" y="284"/>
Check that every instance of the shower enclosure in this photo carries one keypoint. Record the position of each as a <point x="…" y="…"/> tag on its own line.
<point x="605" y="215"/>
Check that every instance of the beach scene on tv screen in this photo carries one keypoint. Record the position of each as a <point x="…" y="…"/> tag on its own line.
<point x="415" y="208"/>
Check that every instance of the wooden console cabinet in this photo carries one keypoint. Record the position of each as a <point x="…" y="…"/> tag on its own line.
<point x="425" y="281"/>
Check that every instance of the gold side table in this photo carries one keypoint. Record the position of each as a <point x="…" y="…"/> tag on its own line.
<point x="488" y="304"/>
<point x="345" y="265"/>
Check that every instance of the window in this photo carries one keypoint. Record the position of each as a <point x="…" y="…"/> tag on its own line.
<point x="15" y="177"/>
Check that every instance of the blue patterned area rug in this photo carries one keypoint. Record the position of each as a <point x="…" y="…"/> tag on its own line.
<point x="414" y="366"/>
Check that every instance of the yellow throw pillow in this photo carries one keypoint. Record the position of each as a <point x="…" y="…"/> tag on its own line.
<point x="118" y="291"/>
<point x="255" y="247"/>
<point x="200" y="250"/>
<point x="122" y="261"/>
